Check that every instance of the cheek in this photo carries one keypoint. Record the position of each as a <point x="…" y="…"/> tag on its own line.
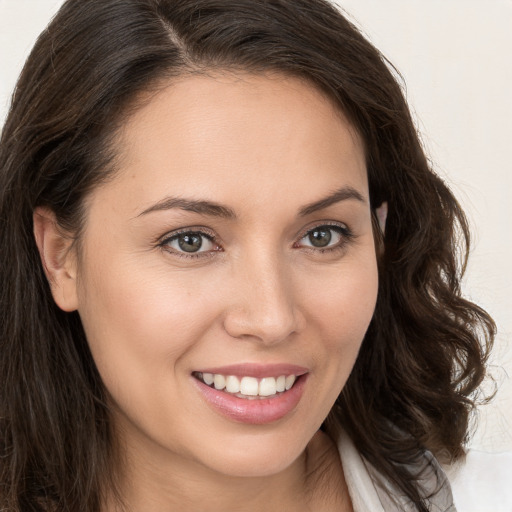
<point x="141" y="326"/>
<point x="343" y="302"/>
<point x="340" y="308"/>
<point x="140" y="322"/>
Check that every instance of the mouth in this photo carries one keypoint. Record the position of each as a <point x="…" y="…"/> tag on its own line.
<point x="248" y="387"/>
<point x="252" y="394"/>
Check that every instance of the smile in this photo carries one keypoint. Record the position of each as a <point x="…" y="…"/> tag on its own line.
<point x="248" y="387"/>
<point x="252" y="393"/>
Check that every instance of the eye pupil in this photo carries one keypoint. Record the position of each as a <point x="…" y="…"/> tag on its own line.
<point x="190" y="242"/>
<point x="320" y="237"/>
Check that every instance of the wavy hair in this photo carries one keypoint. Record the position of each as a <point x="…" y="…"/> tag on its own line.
<point x="412" y="387"/>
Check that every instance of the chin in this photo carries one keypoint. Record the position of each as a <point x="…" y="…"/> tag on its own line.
<point x="253" y="458"/>
<point x="255" y="466"/>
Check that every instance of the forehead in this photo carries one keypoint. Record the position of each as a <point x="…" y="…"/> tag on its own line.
<point x="238" y="134"/>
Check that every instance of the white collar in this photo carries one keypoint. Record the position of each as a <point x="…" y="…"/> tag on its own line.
<point x="368" y="496"/>
<point x="361" y="487"/>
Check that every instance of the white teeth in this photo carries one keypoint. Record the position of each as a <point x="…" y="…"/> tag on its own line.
<point x="219" y="381"/>
<point x="208" y="378"/>
<point x="232" y="384"/>
<point x="248" y="387"/>
<point x="289" y="382"/>
<point x="267" y="386"/>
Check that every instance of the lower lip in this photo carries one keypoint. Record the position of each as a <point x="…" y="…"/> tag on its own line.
<point x="258" y="411"/>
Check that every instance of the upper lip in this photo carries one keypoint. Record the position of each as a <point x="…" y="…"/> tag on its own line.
<point x="256" y="370"/>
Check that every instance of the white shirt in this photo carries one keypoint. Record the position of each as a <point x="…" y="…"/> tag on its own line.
<point x="371" y="492"/>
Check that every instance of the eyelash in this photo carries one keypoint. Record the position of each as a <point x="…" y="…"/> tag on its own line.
<point x="164" y="244"/>
<point x="342" y="230"/>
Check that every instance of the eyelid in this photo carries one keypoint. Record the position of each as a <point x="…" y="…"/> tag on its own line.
<point x="163" y="242"/>
<point x="345" y="232"/>
<point x="325" y="224"/>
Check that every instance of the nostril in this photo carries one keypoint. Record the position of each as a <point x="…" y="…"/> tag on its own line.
<point x="269" y="330"/>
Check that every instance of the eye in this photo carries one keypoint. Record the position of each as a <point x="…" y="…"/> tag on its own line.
<point x="325" y="237"/>
<point x="190" y="242"/>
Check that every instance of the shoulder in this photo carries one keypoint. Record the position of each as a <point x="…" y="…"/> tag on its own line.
<point x="371" y="491"/>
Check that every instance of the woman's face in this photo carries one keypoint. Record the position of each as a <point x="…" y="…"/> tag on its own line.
<point x="235" y="244"/>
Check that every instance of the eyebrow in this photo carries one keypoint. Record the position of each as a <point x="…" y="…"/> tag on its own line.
<point x="191" y="205"/>
<point x="342" y="194"/>
<point x="217" y="210"/>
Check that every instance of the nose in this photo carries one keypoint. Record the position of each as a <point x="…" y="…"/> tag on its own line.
<point x="264" y="306"/>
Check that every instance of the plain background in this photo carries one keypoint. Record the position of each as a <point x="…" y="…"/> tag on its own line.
<point x="455" y="58"/>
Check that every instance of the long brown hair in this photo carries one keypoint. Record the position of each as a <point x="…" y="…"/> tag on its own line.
<point x="424" y="354"/>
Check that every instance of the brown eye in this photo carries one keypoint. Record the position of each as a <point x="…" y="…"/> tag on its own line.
<point x="326" y="237"/>
<point x="190" y="242"/>
<point x="320" y="237"/>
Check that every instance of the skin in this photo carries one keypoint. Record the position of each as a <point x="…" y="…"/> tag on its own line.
<point x="264" y="147"/>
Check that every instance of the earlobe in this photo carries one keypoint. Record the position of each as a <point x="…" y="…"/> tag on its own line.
<point x="57" y="258"/>
<point x="382" y="215"/>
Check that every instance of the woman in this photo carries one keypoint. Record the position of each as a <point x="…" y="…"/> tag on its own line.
<point x="230" y="279"/>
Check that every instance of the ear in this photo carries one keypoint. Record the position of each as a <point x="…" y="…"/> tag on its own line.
<point x="382" y="215"/>
<point x="57" y="257"/>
